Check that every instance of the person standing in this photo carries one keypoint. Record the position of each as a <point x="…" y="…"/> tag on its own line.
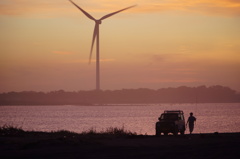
<point x="191" y="120"/>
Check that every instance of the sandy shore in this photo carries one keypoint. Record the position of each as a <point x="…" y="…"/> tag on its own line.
<point x="196" y="146"/>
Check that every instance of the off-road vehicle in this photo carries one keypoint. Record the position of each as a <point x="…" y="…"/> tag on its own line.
<point x="171" y="121"/>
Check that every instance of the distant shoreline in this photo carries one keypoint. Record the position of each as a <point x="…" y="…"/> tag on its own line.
<point x="183" y="94"/>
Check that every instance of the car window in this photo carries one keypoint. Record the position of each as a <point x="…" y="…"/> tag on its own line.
<point x="180" y="117"/>
<point x="169" y="116"/>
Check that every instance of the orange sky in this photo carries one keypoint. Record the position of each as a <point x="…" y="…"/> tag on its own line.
<point x="45" y="44"/>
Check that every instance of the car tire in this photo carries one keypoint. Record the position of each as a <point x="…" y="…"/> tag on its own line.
<point x="182" y="132"/>
<point x="175" y="133"/>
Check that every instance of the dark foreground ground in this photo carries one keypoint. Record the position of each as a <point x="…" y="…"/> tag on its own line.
<point x="47" y="146"/>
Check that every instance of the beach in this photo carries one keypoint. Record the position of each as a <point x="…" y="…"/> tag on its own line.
<point x="93" y="146"/>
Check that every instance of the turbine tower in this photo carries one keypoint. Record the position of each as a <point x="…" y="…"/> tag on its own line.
<point x="96" y="37"/>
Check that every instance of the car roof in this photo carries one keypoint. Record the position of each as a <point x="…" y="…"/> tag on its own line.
<point x="173" y="111"/>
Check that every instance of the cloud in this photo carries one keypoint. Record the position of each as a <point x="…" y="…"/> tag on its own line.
<point x="170" y="80"/>
<point x="62" y="52"/>
<point x="86" y="61"/>
<point x="208" y="7"/>
<point x="167" y="57"/>
<point x="29" y="7"/>
<point x="60" y="7"/>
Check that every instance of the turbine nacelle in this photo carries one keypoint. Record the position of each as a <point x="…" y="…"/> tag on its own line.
<point x="98" y="21"/>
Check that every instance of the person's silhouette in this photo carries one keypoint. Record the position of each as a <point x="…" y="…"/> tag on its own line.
<point x="190" y="122"/>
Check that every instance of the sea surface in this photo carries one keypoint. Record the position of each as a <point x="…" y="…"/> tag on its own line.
<point x="212" y="117"/>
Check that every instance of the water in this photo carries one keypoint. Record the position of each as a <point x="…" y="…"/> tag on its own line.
<point x="140" y="119"/>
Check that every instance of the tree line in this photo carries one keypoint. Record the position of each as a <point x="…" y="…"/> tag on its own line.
<point x="183" y="94"/>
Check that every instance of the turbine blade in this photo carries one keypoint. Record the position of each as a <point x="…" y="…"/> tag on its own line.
<point x="111" y="14"/>
<point x="84" y="12"/>
<point x="93" y="41"/>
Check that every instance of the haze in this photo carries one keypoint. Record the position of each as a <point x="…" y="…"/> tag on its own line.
<point x="45" y="45"/>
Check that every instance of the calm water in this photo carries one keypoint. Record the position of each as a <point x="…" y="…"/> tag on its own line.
<point x="140" y="119"/>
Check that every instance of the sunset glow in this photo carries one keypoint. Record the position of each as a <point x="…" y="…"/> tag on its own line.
<point x="45" y="45"/>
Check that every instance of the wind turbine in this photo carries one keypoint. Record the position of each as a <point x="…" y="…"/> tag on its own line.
<point x="96" y="37"/>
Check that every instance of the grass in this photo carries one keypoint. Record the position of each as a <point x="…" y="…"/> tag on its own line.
<point x="111" y="131"/>
<point x="13" y="131"/>
<point x="13" y="135"/>
<point x="7" y="130"/>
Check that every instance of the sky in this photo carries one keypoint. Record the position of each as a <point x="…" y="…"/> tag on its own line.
<point x="45" y="45"/>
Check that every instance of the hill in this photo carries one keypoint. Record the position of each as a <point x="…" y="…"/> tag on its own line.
<point x="183" y="94"/>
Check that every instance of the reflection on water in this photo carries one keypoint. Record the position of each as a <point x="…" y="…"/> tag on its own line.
<point x="140" y="119"/>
